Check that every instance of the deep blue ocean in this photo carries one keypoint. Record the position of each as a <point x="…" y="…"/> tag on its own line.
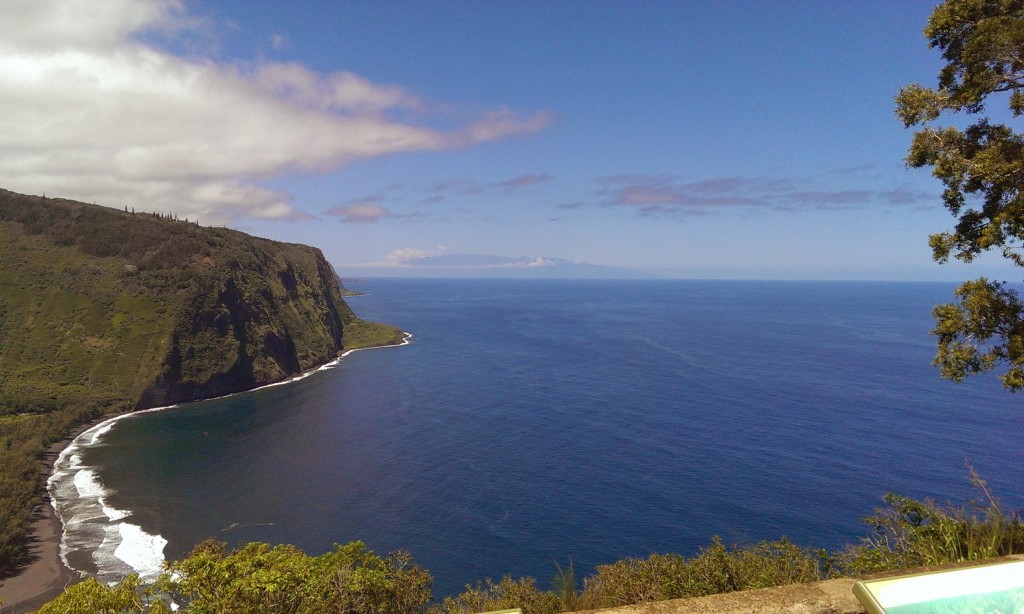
<point x="529" y="422"/>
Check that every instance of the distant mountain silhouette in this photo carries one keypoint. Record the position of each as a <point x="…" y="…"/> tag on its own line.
<point x="482" y="265"/>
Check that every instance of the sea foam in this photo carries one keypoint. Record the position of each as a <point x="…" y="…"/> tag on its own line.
<point x="95" y="532"/>
<point x="137" y="549"/>
<point x="99" y="533"/>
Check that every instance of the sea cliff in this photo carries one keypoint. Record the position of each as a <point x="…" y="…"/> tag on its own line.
<point x="108" y="310"/>
<point x="130" y="308"/>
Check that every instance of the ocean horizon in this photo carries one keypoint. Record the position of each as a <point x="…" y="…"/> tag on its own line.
<point x="534" y="422"/>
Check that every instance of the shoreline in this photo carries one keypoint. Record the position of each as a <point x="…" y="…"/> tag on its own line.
<point x="47" y="575"/>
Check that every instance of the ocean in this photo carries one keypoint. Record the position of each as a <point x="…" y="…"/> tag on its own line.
<point x="534" y="422"/>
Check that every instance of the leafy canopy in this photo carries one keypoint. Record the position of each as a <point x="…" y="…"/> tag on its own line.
<point x="982" y="169"/>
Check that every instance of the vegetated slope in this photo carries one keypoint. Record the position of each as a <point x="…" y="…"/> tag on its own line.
<point x="104" y="310"/>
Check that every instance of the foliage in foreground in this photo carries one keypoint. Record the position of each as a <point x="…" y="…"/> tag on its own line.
<point x="509" y="593"/>
<point x="91" y="596"/>
<point x="982" y="170"/>
<point x="717" y="569"/>
<point x="910" y="533"/>
<point x="257" y="578"/>
<point x="353" y="580"/>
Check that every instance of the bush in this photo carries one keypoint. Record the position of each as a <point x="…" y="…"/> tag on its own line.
<point x="717" y="569"/>
<point x="258" y="578"/>
<point x="505" y="595"/>
<point x="91" y="597"/>
<point x="910" y="533"/>
<point x="636" y="580"/>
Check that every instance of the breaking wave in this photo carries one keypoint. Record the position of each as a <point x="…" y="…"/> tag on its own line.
<point x="98" y="539"/>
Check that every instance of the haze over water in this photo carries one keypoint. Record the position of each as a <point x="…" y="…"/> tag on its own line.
<point x="532" y="421"/>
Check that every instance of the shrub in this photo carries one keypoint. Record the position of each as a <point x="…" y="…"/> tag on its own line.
<point x="505" y="595"/>
<point x="91" y="597"/>
<point x="717" y="569"/>
<point x="910" y="533"/>
<point x="636" y="580"/>
<point x="258" y="578"/>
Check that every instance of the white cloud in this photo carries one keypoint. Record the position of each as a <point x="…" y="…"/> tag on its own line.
<point x="503" y="123"/>
<point x="342" y="91"/>
<point x="362" y="213"/>
<point x="403" y="255"/>
<point x="91" y="113"/>
<point x="668" y="194"/>
<point x="536" y="261"/>
<point x="44" y="26"/>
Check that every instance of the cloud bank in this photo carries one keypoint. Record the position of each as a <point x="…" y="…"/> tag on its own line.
<point x="360" y="213"/>
<point x="667" y="194"/>
<point x="399" y="257"/>
<point x="91" y="112"/>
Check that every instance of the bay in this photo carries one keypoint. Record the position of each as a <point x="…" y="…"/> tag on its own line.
<point x="529" y="422"/>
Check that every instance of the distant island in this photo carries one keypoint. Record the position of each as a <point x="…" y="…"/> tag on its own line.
<point x="104" y="311"/>
<point x="505" y="267"/>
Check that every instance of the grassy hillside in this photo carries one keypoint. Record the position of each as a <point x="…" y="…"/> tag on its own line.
<point x="104" y="310"/>
<point x="70" y="326"/>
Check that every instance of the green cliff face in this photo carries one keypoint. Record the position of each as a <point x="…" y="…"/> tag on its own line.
<point x="117" y="309"/>
<point x="104" y="310"/>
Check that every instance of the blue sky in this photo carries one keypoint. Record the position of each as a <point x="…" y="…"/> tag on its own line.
<point x="719" y="139"/>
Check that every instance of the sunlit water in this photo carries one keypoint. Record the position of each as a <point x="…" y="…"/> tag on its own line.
<point x="529" y="422"/>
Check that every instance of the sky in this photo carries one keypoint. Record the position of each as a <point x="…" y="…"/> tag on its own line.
<point x="725" y="139"/>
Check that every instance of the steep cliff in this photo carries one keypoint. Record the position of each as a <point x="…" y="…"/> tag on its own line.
<point x="126" y="309"/>
<point x="104" y="310"/>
